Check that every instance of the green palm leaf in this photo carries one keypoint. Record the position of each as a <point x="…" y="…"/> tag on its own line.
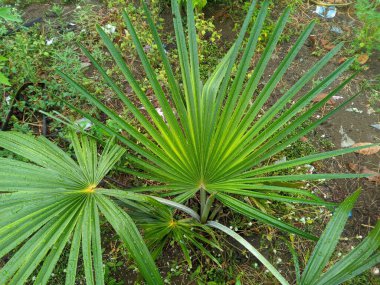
<point x="358" y="260"/>
<point x="53" y="200"/>
<point x="361" y="258"/>
<point x="212" y="140"/>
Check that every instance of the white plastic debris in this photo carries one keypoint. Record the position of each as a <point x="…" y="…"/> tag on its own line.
<point x="375" y="271"/>
<point x="159" y="111"/>
<point x="326" y="12"/>
<point x="8" y="100"/>
<point x="50" y="41"/>
<point x="376" y="126"/>
<point x="346" y="140"/>
<point x="85" y="64"/>
<point x="310" y="168"/>
<point x="109" y="29"/>
<point x="336" y="29"/>
<point x="370" y="111"/>
<point x="84" y="123"/>
<point x="355" y="110"/>
<point x="280" y="160"/>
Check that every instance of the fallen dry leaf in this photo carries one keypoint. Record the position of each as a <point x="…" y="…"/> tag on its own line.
<point x="327" y="45"/>
<point x="375" y="175"/>
<point x="368" y="150"/>
<point x="356" y="168"/>
<point x="363" y="58"/>
<point x="322" y="96"/>
<point x="342" y="59"/>
<point x="375" y="178"/>
<point x="365" y="170"/>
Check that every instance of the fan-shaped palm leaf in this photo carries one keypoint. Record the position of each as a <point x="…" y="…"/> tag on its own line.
<point x="211" y="139"/>
<point x="54" y="201"/>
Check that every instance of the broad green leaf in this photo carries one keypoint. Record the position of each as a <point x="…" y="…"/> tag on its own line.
<point x="4" y="80"/>
<point x="6" y="14"/>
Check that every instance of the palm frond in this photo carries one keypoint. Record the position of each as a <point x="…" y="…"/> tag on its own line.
<point x="53" y="200"/>
<point x="213" y="139"/>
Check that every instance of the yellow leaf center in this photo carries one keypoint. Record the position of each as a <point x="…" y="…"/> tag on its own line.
<point x="172" y="224"/>
<point x="90" y="188"/>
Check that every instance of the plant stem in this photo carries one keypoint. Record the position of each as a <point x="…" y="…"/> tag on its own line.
<point x="207" y="208"/>
<point x="178" y="206"/>
<point x="215" y="212"/>
<point x="203" y="194"/>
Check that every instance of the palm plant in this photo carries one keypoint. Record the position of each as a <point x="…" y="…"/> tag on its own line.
<point x="53" y="201"/>
<point x="212" y="142"/>
<point x="162" y="226"/>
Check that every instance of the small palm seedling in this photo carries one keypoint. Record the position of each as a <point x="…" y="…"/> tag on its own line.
<point x="162" y="226"/>
<point x="212" y="142"/>
<point x="51" y="202"/>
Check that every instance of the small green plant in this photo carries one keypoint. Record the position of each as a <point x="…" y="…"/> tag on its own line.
<point x="161" y="226"/>
<point x="57" y="10"/>
<point x="368" y="35"/>
<point x="6" y="14"/>
<point x="197" y="4"/>
<point x="53" y="201"/>
<point x="360" y="259"/>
